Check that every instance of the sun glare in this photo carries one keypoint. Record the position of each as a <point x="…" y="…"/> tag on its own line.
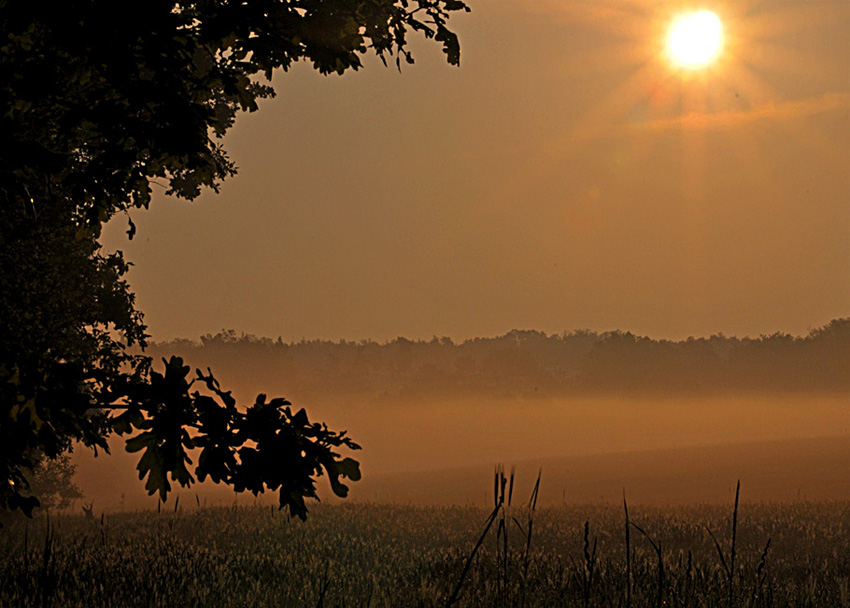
<point x="695" y="39"/>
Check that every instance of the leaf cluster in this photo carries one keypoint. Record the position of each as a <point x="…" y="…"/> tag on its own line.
<point x="265" y="447"/>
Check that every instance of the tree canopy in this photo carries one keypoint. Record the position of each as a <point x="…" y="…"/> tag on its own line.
<point x="98" y="100"/>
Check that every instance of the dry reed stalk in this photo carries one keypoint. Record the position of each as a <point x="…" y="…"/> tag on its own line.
<point x="729" y="568"/>
<point x="659" y="601"/>
<point x="584" y="576"/>
<point x="761" y="575"/>
<point x="532" y="506"/>
<point x="499" y="497"/>
<point x="628" y="555"/>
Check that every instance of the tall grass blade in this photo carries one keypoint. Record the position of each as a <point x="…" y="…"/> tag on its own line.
<point x="628" y="554"/>
<point x="532" y="505"/>
<point x="659" y="600"/>
<point x="719" y="552"/>
<point x="761" y="575"/>
<point x="734" y="538"/>
<point x="456" y="593"/>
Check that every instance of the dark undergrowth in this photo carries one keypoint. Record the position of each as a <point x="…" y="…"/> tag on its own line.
<point x="756" y="555"/>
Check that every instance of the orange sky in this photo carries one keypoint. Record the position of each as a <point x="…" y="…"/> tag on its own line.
<point x="566" y="176"/>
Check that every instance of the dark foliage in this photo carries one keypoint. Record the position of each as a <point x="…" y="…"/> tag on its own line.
<point x="98" y="99"/>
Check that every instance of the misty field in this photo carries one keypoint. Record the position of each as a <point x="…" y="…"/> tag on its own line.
<point x="360" y="554"/>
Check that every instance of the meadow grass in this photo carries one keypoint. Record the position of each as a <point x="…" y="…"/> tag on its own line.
<point x="360" y="554"/>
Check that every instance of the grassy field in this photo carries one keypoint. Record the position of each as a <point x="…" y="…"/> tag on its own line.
<point x="791" y="554"/>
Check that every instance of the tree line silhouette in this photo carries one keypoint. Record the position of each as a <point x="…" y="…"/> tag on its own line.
<point x="528" y="363"/>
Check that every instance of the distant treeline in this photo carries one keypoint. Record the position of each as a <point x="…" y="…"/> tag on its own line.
<point x="527" y="363"/>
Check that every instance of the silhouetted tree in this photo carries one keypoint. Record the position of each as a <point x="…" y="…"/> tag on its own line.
<point x="98" y="99"/>
<point x="53" y="482"/>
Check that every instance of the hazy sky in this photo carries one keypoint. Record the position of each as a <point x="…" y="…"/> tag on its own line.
<point x="565" y="176"/>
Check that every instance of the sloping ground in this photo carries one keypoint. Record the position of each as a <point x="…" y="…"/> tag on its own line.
<point x="788" y="470"/>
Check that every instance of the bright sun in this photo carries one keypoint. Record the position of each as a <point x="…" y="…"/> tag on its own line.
<point x="695" y="39"/>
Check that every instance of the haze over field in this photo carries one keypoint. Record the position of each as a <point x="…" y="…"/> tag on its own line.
<point x="438" y="452"/>
<point x="572" y="173"/>
<point x="669" y="421"/>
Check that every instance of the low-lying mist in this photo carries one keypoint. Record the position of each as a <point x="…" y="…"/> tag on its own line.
<point x="614" y="396"/>
<point x="588" y="448"/>
<point x="429" y="435"/>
